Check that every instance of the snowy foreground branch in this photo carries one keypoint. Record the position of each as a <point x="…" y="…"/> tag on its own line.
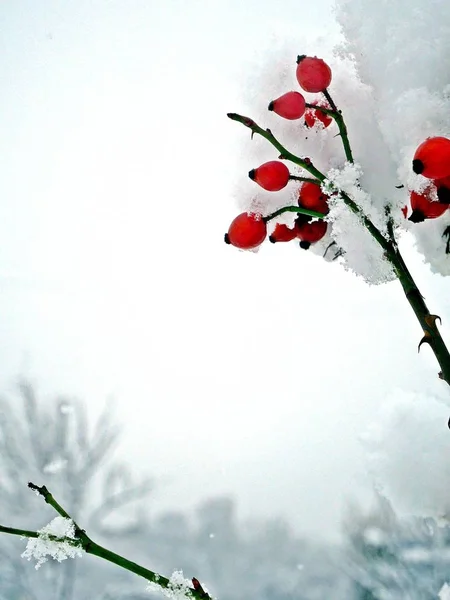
<point x="63" y="539"/>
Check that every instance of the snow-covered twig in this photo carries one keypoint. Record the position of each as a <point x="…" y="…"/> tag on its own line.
<point x="79" y="539"/>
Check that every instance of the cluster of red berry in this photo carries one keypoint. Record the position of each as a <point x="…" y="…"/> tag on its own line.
<point x="432" y="160"/>
<point x="249" y="230"/>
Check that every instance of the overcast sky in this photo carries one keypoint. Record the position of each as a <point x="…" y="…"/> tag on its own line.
<point x="251" y="374"/>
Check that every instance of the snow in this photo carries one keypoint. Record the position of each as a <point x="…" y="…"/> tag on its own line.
<point x="179" y="588"/>
<point x="444" y="593"/>
<point x="404" y="62"/>
<point x="42" y="547"/>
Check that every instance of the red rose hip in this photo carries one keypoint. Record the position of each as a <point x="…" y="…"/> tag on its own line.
<point x="282" y="233"/>
<point x="309" y="233"/>
<point x="310" y="196"/>
<point x="313" y="74"/>
<point x="247" y="231"/>
<point x="289" y="106"/>
<point x="432" y="158"/>
<point x="272" y="176"/>
<point x="424" y="207"/>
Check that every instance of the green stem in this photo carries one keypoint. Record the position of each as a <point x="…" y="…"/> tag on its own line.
<point x="284" y="153"/>
<point x="307" y="179"/>
<point x="337" y="116"/>
<point x="296" y="209"/>
<point x="20" y="532"/>
<point x="427" y="320"/>
<point x="91" y="547"/>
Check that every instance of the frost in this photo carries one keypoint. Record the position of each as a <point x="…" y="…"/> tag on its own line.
<point x="178" y="588"/>
<point x="42" y="547"/>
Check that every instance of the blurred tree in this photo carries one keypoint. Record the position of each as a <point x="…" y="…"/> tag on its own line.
<point x="50" y="443"/>
<point x="392" y="559"/>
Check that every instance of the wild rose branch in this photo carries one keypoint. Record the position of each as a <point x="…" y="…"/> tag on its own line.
<point x="431" y="160"/>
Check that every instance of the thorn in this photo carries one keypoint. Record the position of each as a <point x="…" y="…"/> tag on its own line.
<point x="268" y="131"/>
<point x="425" y="340"/>
<point x="328" y="247"/>
<point x="441" y="375"/>
<point x="447" y="234"/>
<point x="430" y="320"/>
<point x="399" y="187"/>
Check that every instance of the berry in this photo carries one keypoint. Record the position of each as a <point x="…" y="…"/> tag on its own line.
<point x="247" y="231"/>
<point x="312" y="116"/>
<point x="289" y="106"/>
<point x="424" y="207"/>
<point x="282" y="233"/>
<point x="313" y="74"/>
<point x="311" y="197"/>
<point x="309" y="233"/>
<point x="271" y="176"/>
<point x="432" y="158"/>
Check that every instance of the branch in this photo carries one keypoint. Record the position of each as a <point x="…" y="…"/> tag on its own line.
<point x="308" y="179"/>
<point x="337" y="116"/>
<point x="391" y="252"/>
<point x="296" y="209"/>
<point x="90" y="547"/>
<point x="305" y="163"/>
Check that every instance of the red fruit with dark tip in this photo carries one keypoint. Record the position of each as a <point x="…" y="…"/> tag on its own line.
<point x="432" y="158"/>
<point x="313" y="74"/>
<point x="314" y="116"/>
<point x="310" y="196"/>
<point x="309" y="233"/>
<point x="272" y="176"/>
<point x="282" y="233"/>
<point x="289" y="106"/>
<point x="247" y="231"/>
<point x="424" y="207"/>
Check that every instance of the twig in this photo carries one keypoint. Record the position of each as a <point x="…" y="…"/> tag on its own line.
<point x="82" y="540"/>
<point x="337" y="116"/>
<point x="296" y="209"/>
